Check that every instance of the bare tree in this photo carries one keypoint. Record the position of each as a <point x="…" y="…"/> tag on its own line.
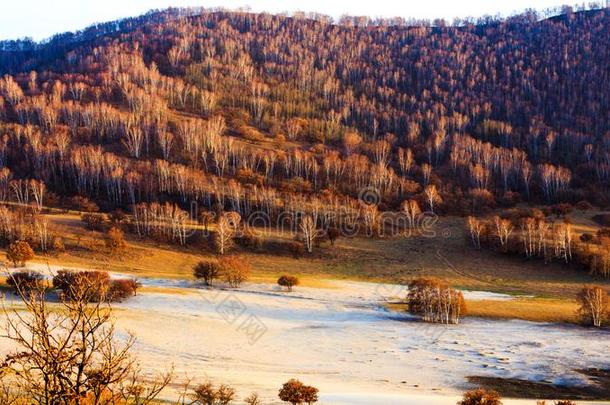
<point x="503" y="228"/>
<point x="133" y="140"/>
<point x="308" y="230"/>
<point x="70" y="355"/>
<point x="166" y="141"/>
<point x="226" y="228"/>
<point x="475" y="226"/>
<point x="432" y="196"/>
<point x="411" y="210"/>
<point x="593" y="302"/>
<point x="37" y="188"/>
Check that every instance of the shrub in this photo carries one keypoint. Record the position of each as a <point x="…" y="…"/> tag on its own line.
<point x="235" y="270"/>
<point x="117" y="217"/>
<point x="207" y="394"/>
<point x="19" y="252"/>
<point x="288" y="281"/>
<point x="563" y="402"/>
<point x="296" y="392"/>
<point x="561" y="210"/>
<point x="115" y="239"/>
<point x="204" y="394"/>
<point x="295" y="185"/>
<point x="333" y="234"/>
<point x="208" y="271"/>
<point x="93" y="285"/>
<point x="58" y="244"/>
<point x="296" y="249"/>
<point x="586" y="238"/>
<point x="121" y="289"/>
<point x="25" y="281"/>
<point x="253" y="399"/>
<point x="251" y="133"/>
<point x="80" y="203"/>
<point x="250" y="240"/>
<point x="480" y="397"/>
<point x="602" y="219"/>
<point x="94" y="221"/>
<point x="248" y="176"/>
<point x="584" y="205"/>
<point x="73" y="282"/>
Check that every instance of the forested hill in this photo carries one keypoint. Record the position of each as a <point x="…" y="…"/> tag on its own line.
<point x="256" y="111"/>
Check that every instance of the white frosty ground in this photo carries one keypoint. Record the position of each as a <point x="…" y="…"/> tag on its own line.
<point x="341" y="340"/>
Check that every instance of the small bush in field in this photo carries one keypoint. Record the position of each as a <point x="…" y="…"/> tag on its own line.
<point x="296" y="249"/>
<point x="235" y="270"/>
<point x="117" y="217"/>
<point x="296" y="392"/>
<point x="115" y="239"/>
<point x="121" y="289"/>
<point x="97" y="284"/>
<point x="207" y="271"/>
<point x="25" y="281"/>
<point x="288" y="281"/>
<point x="208" y="394"/>
<point x="250" y="240"/>
<point x="58" y="244"/>
<point x="584" y="205"/>
<point x="19" y="252"/>
<point x="480" y="397"/>
<point x="253" y="399"/>
<point x="70" y="282"/>
<point x="80" y="203"/>
<point x="333" y="234"/>
<point x="94" y="221"/>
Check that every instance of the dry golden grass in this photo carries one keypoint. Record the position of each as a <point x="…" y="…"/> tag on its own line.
<point x="163" y="290"/>
<point x="446" y="254"/>
<point x="527" y="309"/>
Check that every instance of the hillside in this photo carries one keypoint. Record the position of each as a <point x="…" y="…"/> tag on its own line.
<point x="292" y="109"/>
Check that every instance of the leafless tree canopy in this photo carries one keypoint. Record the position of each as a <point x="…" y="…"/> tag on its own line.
<point x="69" y="353"/>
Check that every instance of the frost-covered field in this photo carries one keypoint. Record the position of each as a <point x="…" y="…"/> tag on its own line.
<point x="341" y="340"/>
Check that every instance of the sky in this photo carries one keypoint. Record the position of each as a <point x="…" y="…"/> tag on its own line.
<point x="40" y="19"/>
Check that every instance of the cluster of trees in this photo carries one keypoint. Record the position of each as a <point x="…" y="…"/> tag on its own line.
<point x="161" y="221"/>
<point x="183" y="106"/>
<point x="234" y="270"/>
<point x="534" y="235"/>
<point x="22" y="224"/>
<point x="99" y="285"/>
<point x="71" y="283"/>
<point x="434" y="301"/>
<point x="528" y="232"/>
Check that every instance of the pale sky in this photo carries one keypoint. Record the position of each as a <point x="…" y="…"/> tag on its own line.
<point x="40" y="19"/>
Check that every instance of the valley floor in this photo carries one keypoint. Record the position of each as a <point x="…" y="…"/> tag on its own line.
<point x="341" y="338"/>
